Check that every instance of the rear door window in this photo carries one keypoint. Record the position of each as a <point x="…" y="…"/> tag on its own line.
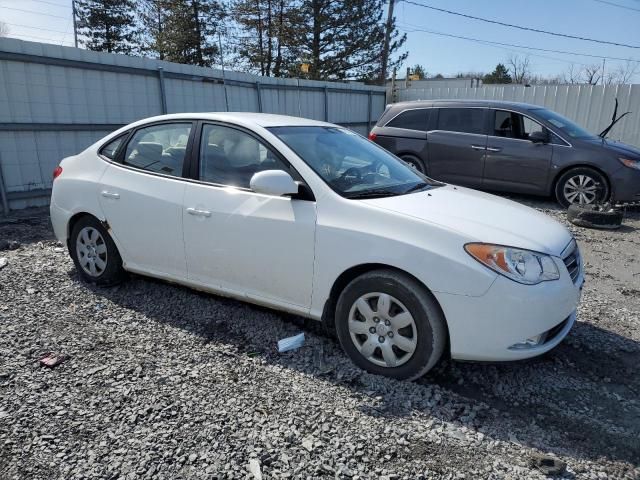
<point x="464" y="120"/>
<point x="415" y="119"/>
<point x="159" y="148"/>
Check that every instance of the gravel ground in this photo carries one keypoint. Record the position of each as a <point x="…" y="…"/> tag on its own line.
<point x="165" y="382"/>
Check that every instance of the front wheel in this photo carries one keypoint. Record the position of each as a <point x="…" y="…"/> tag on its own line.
<point x="414" y="162"/>
<point x="582" y="186"/>
<point x="390" y="325"/>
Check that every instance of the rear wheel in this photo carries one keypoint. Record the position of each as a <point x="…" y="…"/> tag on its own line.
<point x="94" y="254"/>
<point x="582" y="186"/>
<point x="414" y="162"/>
<point x="390" y="325"/>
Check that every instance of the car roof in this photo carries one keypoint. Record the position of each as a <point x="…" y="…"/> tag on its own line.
<point x="463" y="103"/>
<point x="241" y="118"/>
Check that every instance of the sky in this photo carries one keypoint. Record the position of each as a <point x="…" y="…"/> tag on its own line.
<point x="609" y="20"/>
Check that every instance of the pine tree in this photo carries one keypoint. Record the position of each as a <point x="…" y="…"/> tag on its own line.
<point x="499" y="75"/>
<point x="153" y="16"/>
<point x="107" y="25"/>
<point x="343" y="39"/>
<point x="268" y="41"/>
<point x="190" y="32"/>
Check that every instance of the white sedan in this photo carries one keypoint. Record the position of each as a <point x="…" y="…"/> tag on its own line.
<point x="311" y="218"/>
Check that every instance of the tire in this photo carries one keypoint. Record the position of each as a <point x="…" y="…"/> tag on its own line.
<point x="422" y="341"/>
<point x="595" y="216"/>
<point x="414" y="162"/>
<point x="94" y="254"/>
<point x="591" y="185"/>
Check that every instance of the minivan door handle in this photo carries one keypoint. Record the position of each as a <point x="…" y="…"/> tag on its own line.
<point x="198" y="213"/>
<point x="108" y="194"/>
<point x="478" y="147"/>
<point x="494" y="149"/>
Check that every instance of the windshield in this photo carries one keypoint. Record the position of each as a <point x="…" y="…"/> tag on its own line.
<point x="352" y="165"/>
<point x="565" y="125"/>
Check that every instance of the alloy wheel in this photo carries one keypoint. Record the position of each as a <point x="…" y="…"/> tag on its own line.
<point x="581" y="189"/>
<point x="382" y="329"/>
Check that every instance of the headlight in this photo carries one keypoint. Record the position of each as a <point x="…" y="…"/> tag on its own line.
<point x="522" y="266"/>
<point x="627" y="162"/>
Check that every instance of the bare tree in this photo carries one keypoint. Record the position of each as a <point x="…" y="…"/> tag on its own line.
<point x="572" y="75"/>
<point x="519" y="68"/>
<point x="624" y="74"/>
<point x="4" y="29"/>
<point x="592" y="74"/>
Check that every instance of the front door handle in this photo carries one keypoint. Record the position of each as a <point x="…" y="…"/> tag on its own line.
<point x="494" y="149"/>
<point x="108" y="194"/>
<point x="478" y="147"/>
<point x="198" y="212"/>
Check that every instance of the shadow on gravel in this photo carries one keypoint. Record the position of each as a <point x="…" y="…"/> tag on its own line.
<point x="580" y="400"/>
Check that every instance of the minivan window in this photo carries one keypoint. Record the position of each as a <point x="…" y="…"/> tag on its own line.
<point x="514" y="125"/>
<point x="563" y="124"/>
<point x="415" y="119"/>
<point x="465" y="120"/>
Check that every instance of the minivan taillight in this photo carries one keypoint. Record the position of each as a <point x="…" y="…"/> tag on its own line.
<point x="57" y="171"/>
<point x="372" y="136"/>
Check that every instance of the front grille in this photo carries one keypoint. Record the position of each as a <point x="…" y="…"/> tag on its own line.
<point x="573" y="262"/>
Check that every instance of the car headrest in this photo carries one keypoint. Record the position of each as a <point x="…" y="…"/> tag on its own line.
<point x="150" y="150"/>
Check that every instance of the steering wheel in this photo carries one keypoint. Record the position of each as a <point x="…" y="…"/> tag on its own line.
<point x="351" y="173"/>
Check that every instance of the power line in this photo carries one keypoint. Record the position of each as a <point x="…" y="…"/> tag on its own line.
<point x="520" y="27"/>
<point x="491" y="42"/>
<point x="617" y="5"/>
<point x="34" y="28"/>
<point x="36" y="13"/>
<point x="51" y="3"/>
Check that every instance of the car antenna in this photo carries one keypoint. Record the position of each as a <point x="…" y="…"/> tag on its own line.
<point x="614" y="120"/>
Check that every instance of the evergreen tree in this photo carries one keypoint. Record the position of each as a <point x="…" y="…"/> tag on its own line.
<point x="189" y="34"/>
<point x="153" y="15"/>
<point x="343" y="39"/>
<point x="419" y="71"/>
<point x="268" y="40"/>
<point x="499" y="75"/>
<point x="107" y="25"/>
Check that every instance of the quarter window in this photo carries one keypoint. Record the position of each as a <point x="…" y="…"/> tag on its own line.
<point x="465" y="120"/>
<point x="411" y="119"/>
<point x="160" y="148"/>
<point x="513" y="125"/>
<point x="111" y="148"/>
<point x="231" y="157"/>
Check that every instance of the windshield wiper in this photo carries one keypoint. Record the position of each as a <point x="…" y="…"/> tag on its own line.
<point x="375" y="193"/>
<point x="615" y="119"/>
<point x="419" y="186"/>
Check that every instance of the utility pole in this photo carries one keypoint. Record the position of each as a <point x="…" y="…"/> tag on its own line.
<point x="603" y="62"/>
<point x="387" y="40"/>
<point x="75" y="23"/>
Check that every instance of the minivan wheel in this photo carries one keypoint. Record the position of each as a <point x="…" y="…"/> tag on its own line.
<point x="94" y="254"/>
<point x="414" y="162"/>
<point x="581" y="186"/>
<point x="390" y="325"/>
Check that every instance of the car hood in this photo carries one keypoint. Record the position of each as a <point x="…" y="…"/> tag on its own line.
<point x="481" y="217"/>
<point x="618" y="147"/>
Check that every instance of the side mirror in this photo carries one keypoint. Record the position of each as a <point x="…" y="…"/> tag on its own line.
<point x="539" y="137"/>
<point x="273" y="182"/>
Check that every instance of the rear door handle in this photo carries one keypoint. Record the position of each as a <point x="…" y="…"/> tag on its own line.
<point x="494" y="149"/>
<point x="108" y="194"/>
<point x="198" y="213"/>
<point x="478" y="147"/>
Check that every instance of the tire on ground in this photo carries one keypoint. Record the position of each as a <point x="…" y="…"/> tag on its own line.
<point x="428" y="317"/>
<point x="595" y="216"/>
<point x="113" y="273"/>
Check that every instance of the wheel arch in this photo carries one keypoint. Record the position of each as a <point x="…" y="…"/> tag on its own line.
<point x="75" y="218"/>
<point x="554" y="182"/>
<point x="328" y="313"/>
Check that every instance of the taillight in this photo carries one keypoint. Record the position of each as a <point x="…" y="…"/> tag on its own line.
<point x="372" y="137"/>
<point x="57" y="171"/>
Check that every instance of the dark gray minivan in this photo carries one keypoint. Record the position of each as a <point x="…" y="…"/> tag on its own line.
<point x="511" y="147"/>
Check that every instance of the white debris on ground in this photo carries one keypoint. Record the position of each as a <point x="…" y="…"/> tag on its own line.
<point x="164" y="382"/>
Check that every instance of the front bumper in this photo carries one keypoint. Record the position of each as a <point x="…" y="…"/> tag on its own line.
<point x="496" y="326"/>
<point x="625" y="184"/>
